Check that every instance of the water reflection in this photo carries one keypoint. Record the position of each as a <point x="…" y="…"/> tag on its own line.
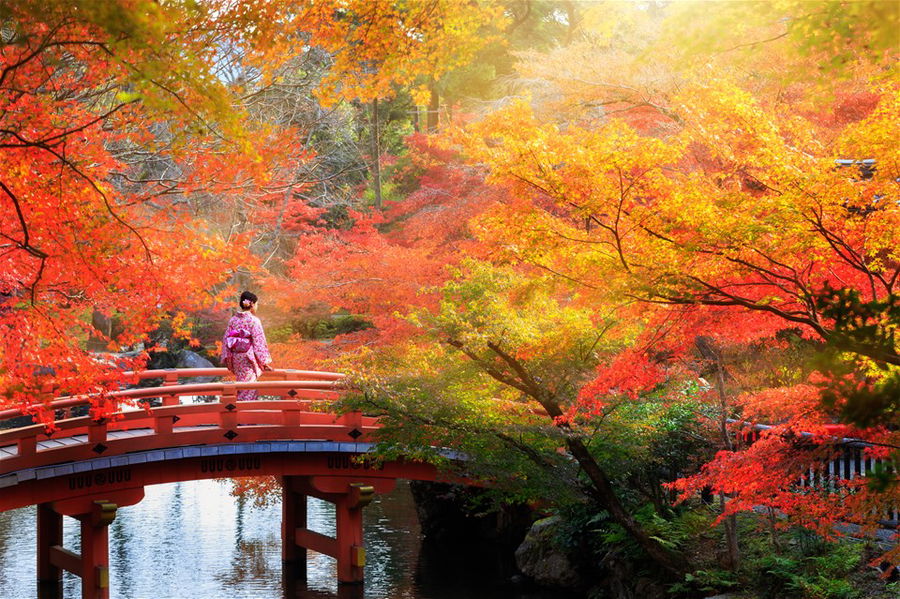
<point x="194" y="540"/>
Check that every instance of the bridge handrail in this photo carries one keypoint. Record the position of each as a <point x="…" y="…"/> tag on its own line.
<point x="315" y="381"/>
<point x="168" y="374"/>
<point x="291" y="412"/>
<point x="125" y="419"/>
<point x="832" y="429"/>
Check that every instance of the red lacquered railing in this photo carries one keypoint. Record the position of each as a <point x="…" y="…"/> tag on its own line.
<point x="292" y="416"/>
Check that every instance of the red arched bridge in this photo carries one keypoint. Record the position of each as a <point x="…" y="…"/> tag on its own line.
<point x="88" y="468"/>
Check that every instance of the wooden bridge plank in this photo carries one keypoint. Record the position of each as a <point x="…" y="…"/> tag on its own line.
<point x="49" y="444"/>
<point x="127" y="434"/>
<point x="73" y="440"/>
<point x="309" y="539"/>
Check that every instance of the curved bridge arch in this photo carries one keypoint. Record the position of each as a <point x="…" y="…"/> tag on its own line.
<point x="87" y="468"/>
<point x="329" y="463"/>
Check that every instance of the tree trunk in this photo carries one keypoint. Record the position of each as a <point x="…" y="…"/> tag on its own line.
<point x="376" y="155"/>
<point x="606" y="496"/>
<point x="601" y="487"/>
<point x="434" y="106"/>
<point x="731" y="536"/>
<point x="709" y="352"/>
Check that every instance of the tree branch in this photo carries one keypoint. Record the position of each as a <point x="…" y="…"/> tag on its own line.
<point x="488" y="368"/>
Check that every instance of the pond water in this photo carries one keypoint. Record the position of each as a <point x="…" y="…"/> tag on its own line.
<point x="194" y="539"/>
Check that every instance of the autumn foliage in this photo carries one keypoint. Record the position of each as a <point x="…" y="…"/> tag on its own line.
<point x="729" y="199"/>
<point x="137" y="172"/>
<point x="94" y="104"/>
<point x="669" y="211"/>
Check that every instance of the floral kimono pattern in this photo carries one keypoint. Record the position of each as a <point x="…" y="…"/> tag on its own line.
<point x="246" y="366"/>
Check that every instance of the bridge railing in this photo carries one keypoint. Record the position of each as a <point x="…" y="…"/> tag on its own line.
<point x="848" y="461"/>
<point x="169" y="377"/>
<point x="291" y="416"/>
<point x="172" y="376"/>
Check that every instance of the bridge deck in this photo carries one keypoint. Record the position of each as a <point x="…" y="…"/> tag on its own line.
<point x="11" y="451"/>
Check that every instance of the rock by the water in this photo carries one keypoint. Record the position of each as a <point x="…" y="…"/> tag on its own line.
<point x="542" y="559"/>
<point x="189" y="359"/>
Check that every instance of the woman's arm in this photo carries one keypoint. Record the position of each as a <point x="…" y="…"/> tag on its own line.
<point x="260" y="347"/>
<point x="226" y="356"/>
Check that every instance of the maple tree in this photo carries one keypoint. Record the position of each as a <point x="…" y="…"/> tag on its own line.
<point x="735" y="232"/>
<point x="112" y="119"/>
<point x="686" y="201"/>
<point x="380" y="263"/>
<point x="511" y="356"/>
<point x="150" y="167"/>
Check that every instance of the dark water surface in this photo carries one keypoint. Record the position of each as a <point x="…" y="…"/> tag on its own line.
<point x="194" y="539"/>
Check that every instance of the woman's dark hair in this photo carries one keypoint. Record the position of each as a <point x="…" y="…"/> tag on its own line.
<point x="247" y="300"/>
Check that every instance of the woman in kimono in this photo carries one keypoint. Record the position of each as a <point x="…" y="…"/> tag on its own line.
<point x="244" y="349"/>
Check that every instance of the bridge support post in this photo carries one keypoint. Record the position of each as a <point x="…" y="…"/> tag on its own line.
<point x="92" y="564"/>
<point x="351" y="555"/>
<point x="95" y="550"/>
<point x="49" y="534"/>
<point x="293" y="516"/>
<point x="347" y="546"/>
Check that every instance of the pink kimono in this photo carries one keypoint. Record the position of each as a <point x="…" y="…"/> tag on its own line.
<point x="246" y="366"/>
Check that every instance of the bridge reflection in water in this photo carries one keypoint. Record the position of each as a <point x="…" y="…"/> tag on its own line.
<point x="89" y="468"/>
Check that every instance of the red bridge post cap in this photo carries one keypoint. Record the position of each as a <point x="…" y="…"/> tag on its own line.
<point x="360" y="495"/>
